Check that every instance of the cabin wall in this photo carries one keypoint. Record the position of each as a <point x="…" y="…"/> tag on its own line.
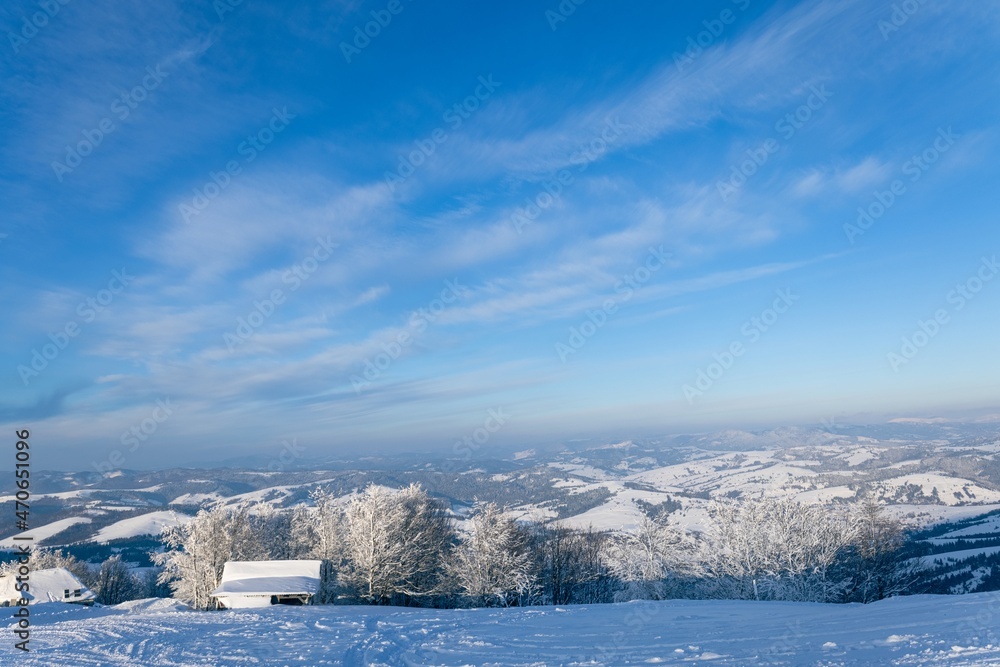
<point x="256" y="601"/>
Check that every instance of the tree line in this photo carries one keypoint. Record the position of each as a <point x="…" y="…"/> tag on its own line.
<point x="402" y="547"/>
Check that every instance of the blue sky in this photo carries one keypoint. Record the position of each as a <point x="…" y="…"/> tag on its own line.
<point x="233" y="227"/>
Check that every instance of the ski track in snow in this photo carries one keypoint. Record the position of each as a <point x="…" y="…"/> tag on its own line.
<point x="919" y="630"/>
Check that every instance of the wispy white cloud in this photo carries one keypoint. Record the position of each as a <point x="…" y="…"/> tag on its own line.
<point x="261" y="214"/>
<point x="763" y="68"/>
<point x="868" y="173"/>
<point x="669" y="134"/>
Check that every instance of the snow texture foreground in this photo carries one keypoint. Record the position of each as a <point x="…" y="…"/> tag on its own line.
<point x="919" y="630"/>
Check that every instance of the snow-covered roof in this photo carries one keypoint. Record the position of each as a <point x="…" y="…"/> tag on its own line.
<point x="269" y="577"/>
<point x="47" y="586"/>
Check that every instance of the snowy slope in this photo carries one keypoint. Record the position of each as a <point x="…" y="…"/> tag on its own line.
<point x="620" y="512"/>
<point x="930" y="514"/>
<point x="920" y="630"/>
<point x="958" y="556"/>
<point x="45" y="531"/>
<point x="951" y="490"/>
<point x="37" y="496"/>
<point x="153" y="523"/>
<point x="987" y="526"/>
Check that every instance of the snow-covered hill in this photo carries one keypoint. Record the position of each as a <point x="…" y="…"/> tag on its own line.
<point x="45" y="531"/>
<point x="153" y="523"/>
<point x="918" y="630"/>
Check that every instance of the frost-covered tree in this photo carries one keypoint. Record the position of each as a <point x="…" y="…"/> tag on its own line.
<point x="198" y="550"/>
<point x="301" y="535"/>
<point x="875" y="565"/>
<point x="272" y="530"/>
<point x="395" y="545"/>
<point x="318" y="532"/>
<point x="492" y="566"/>
<point x="776" y="549"/>
<point x="736" y="550"/>
<point x="151" y="586"/>
<point x="115" y="583"/>
<point x="569" y="566"/>
<point x="321" y="527"/>
<point x="651" y="562"/>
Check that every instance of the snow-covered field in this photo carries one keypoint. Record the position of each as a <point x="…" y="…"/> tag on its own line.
<point x="153" y="523"/>
<point x="919" y="630"/>
<point x="48" y="530"/>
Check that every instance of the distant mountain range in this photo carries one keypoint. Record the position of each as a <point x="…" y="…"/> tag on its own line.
<point x="930" y="472"/>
